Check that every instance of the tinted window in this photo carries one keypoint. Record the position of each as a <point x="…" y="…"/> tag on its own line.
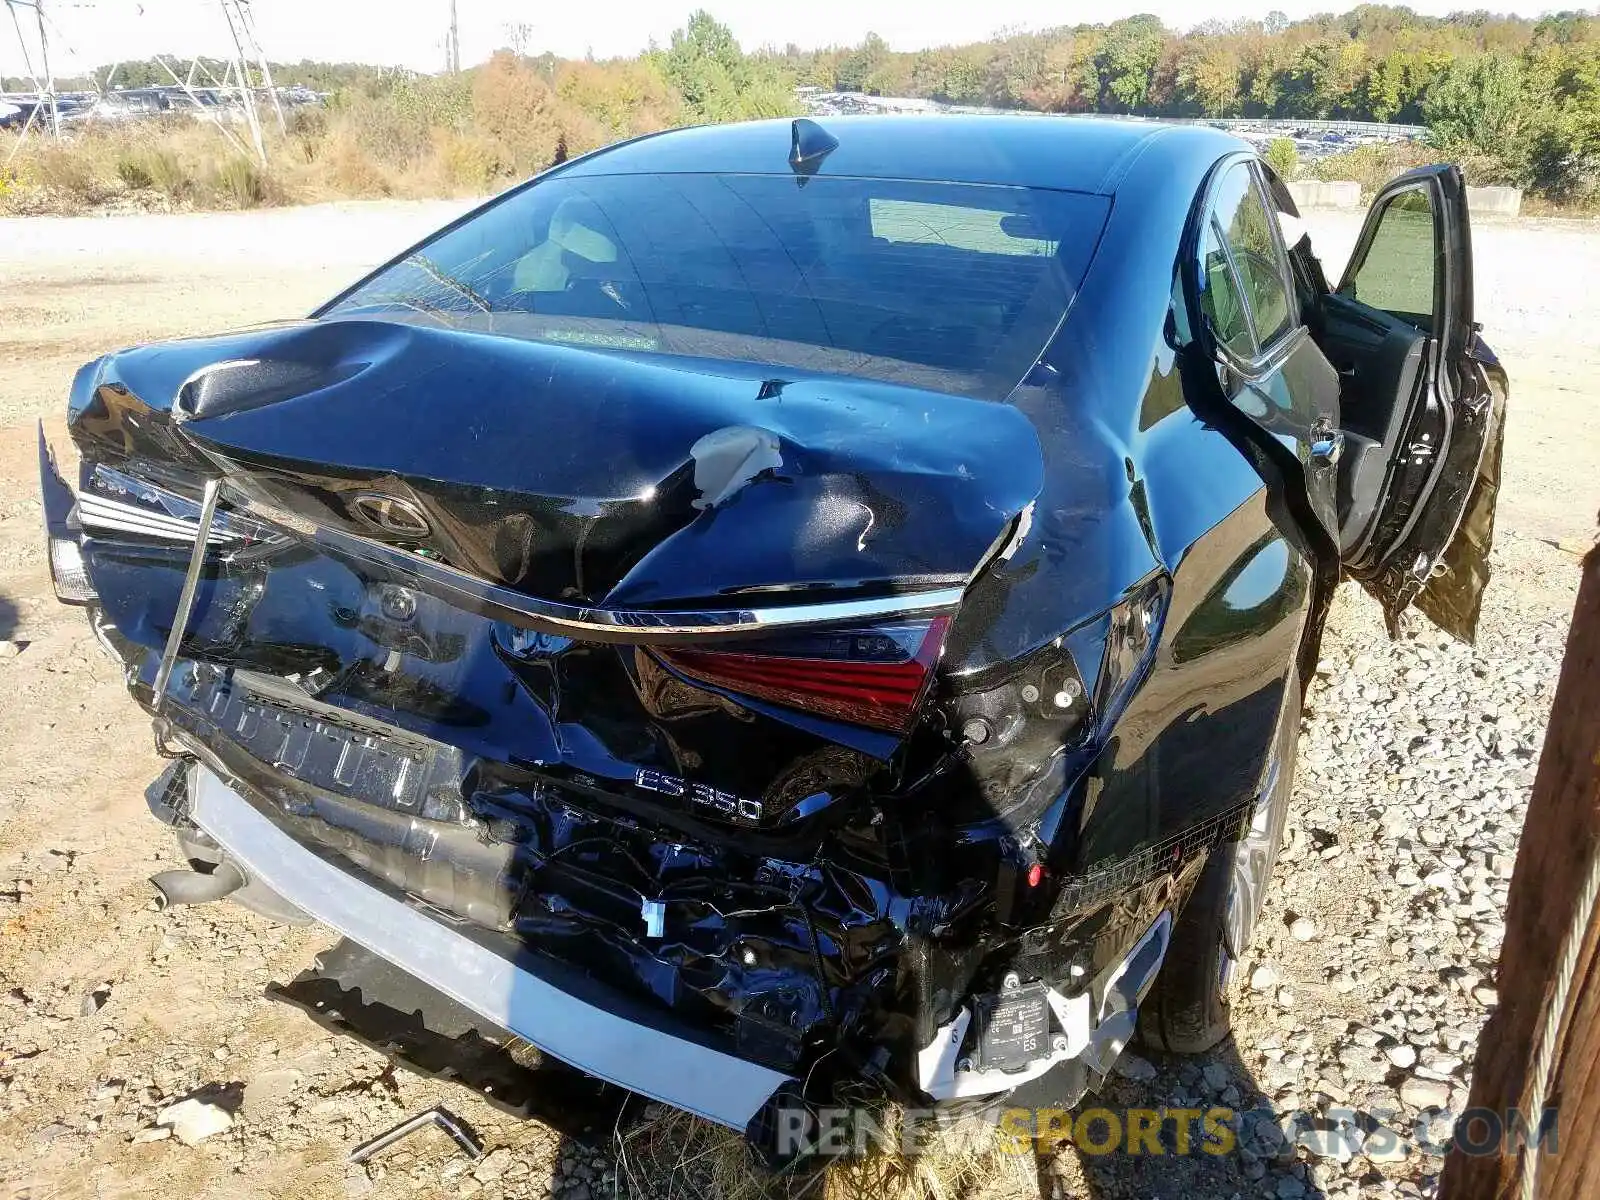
<point x="1262" y="269"/>
<point x="1396" y="273"/>
<point x="1220" y="297"/>
<point x="939" y="285"/>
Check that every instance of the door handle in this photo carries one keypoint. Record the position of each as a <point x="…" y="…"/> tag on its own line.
<point x="1329" y="447"/>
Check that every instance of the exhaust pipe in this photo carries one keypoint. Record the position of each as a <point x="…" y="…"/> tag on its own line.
<point x="191" y="887"/>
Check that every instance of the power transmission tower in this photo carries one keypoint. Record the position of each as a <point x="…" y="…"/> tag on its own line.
<point x="247" y="92"/>
<point x="187" y="82"/>
<point x="247" y="26"/>
<point x="49" y="74"/>
<point x="44" y="86"/>
<point x="236" y="85"/>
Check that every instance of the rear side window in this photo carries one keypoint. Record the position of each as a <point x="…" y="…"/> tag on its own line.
<point x="1221" y="298"/>
<point x="948" y="286"/>
<point x="1258" y="259"/>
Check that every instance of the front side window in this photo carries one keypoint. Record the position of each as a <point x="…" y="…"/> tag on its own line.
<point x="1258" y="259"/>
<point x="953" y="287"/>
<point x="1397" y="272"/>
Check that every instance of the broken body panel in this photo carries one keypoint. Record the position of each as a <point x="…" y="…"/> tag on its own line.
<point x="797" y="718"/>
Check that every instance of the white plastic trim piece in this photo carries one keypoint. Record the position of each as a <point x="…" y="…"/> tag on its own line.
<point x="1160" y="929"/>
<point x="1086" y="1037"/>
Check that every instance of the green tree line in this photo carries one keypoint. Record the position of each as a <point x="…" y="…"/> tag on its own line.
<point x="1522" y="97"/>
<point x="703" y="65"/>
<point x="1517" y="100"/>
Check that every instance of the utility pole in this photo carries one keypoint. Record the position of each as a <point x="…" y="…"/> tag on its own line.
<point x="455" y="41"/>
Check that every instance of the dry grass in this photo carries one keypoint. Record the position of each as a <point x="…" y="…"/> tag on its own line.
<point x="173" y="164"/>
<point x="675" y="1156"/>
<point x="416" y="137"/>
<point x="1374" y="164"/>
<point x="1534" y="205"/>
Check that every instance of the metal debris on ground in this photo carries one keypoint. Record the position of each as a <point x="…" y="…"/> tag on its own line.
<point x="459" y="1132"/>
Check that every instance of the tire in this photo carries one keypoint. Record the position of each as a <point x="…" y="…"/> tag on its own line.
<point x="1187" y="1010"/>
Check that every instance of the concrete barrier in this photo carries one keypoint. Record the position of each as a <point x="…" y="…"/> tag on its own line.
<point x="1335" y="193"/>
<point x="1346" y="193"/>
<point x="1494" y="201"/>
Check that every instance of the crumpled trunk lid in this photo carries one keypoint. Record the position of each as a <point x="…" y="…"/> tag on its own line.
<point x="461" y="466"/>
<point x="567" y="474"/>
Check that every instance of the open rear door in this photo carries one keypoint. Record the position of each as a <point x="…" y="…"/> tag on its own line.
<point x="1422" y="402"/>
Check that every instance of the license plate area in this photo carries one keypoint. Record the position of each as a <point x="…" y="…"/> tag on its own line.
<point x="334" y="754"/>
<point x="1013" y="1028"/>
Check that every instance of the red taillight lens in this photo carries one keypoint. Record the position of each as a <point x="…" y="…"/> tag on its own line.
<point x="876" y="677"/>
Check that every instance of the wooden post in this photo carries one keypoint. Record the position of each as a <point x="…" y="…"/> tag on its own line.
<point x="1545" y="924"/>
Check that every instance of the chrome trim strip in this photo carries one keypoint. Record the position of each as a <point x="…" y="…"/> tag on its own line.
<point x="97" y="513"/>
<point x="634" y="626"/>
<point x="713" y="1085"/>
<point x="116" y="500"/>
<point x="1160" y="931"/>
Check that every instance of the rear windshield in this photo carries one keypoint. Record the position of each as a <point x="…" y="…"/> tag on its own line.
<point x="956" y="287"/>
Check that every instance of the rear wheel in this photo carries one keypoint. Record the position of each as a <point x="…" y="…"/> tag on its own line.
<point x="1187" y="1010"/>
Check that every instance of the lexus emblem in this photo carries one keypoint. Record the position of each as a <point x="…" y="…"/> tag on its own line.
<point x="400" y="518"/>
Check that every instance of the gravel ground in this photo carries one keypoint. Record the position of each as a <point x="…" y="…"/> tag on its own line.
<point x="1370" y="974"/>
<point x="1372" y="967"/>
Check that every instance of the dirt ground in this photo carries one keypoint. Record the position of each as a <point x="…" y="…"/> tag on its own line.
<point x="107" y="1006"/>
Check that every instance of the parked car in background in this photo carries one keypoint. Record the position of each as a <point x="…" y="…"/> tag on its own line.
<point x="773" y="604"/>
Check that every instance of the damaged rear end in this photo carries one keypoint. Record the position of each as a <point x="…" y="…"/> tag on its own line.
<point x="607" y="694"/>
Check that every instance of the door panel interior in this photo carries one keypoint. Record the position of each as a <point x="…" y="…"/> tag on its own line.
<point x="1380" y="360"/>
<point x="1420" y="426"/>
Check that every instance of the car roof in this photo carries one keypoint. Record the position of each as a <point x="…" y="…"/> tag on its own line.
<point x="1029" y="150"/>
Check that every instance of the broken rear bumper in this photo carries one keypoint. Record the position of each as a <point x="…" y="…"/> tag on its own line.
<point x="517" y="996"/>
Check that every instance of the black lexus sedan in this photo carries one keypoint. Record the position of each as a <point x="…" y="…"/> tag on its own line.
<point x="773" y="604"/>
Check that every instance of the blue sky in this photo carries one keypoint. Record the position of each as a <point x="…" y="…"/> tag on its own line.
<point x="411" y="32"/>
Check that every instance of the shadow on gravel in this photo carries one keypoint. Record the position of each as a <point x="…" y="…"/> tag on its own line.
<point x="8" y="617"/>
<point x="1193" y="1127"/>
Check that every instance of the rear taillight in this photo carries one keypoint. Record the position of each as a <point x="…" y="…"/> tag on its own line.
<point x="876" y="677"/>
